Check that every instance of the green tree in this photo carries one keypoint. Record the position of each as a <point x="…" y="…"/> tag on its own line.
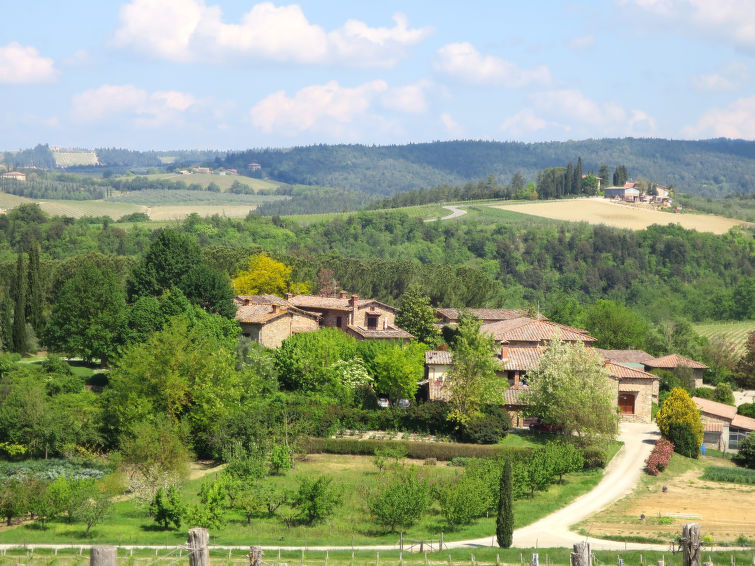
<point x="35" y="296"/>
<point x="417" y="316"/>
<point x="209" y="289"/>
<point x="745" y="456"/>
<point x="316" y="499"/>
<point x="13" y="500"/>
<point x="724" y="394"/>
<point x="680" y="409"/>
<point x="571" y="388"/>
<point x="94" y="508"/>
<point x="745" y="371"/>
<point x="540" y="469"/>
<point x="565" y="458"/>
<point x="167" y="507"/>
<point x="210" y="511"/>
<point x="280" y="458"/>
<point x="461" y="500"/>
<point x="169" y="258"/>
<point x="20" y="338"/>
<point x="87" y="315"/>
<point x="472" y="379"/>
<point x="266" y="276"/>
<point x="6" y="322"/>
<point x="398" y="368"/>
<point x="615" y="326"/>
<point x="401" y="500"/>
<point x="504" y="530"/>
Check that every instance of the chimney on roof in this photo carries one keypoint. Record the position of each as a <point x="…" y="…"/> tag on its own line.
<point x="505" y="351"/>
<point x="353" y="304"/>
<point x="276" y="308"/>
<point x="289" y="296"/>
<point x="342" y="294"/>
<point x="353" y="301"/>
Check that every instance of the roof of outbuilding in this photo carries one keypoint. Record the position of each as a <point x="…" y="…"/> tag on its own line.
<point x="342" y="303"/>
<point x="715" y="408"/>
<point x="513" y="396"/>
<point x="261" y="314"/>
<point x="674" y="360"/>
<point x="392" y="332"/>
<point x="438" y="357"/>
<point x="483" y="314"/>
<point x="625" y="356"/>
<point x="523" y="359"/>
<point x="741" y="421"/>
<point x="525" y="329"/>
<point x="620" y="371"/>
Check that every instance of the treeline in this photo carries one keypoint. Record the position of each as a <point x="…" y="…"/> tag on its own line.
<point x="39" y="156"/>
<point x="51" y="189"/>
<point x="710" y="167"/>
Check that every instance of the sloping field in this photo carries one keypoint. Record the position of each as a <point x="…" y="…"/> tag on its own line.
<point x="222" y="181"/>
<point x="179" y="211"/>
<point x="10" y="201"/>
<point x="79" y="208"/>
<point x="71" y="158"/>
<point x="733" y="332"/>
<point x="599" y="211"/>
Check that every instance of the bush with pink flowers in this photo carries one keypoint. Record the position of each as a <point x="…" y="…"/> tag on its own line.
<point x="659" y="457"/>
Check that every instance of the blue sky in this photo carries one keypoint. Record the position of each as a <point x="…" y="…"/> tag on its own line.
<point x="233" y="74"/>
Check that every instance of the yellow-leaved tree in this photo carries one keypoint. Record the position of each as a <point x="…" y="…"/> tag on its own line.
<point x="679" y="410"/>
<point x="266" y="276"/>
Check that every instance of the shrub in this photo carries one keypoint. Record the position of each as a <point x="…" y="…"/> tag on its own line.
<point x="594" y="457"/>
<point x="442" y="451"/>
<point x="723" y="393"/>
<point x="746" y="455"/>
<point x="462" y="500"/>
<point x="660" y="456"/>
<point x="731" y="475"/>
<point x="401" y="501"/>
<point x="747" y="409"/>
<point x="167" y="507"/>
<point x="684" y="440"/>
<point x="679" y="408"/>
<point x="316" y="499"/>
<point x="431" y="462"/>
<point x="485" y="429"/>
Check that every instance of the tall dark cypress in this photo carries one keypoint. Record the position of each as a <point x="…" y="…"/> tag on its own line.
<point x="504" y="525"/>
<point x="34" y="298"/>
<point x="6" y="322"/>
<point x="578" y="177"/>
<point x="569" y="179"/>
<point x="20" y="343"/>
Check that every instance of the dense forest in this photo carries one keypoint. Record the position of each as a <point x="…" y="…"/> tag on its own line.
<point x="709" y="168"/>
<point x="662" y="272"/>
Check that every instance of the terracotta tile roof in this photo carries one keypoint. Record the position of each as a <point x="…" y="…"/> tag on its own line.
<point x="625" y="356"/>
<point x="713" y="427"/>
<point x="523" y="359"/>
<point x="261" y="314"/>
<point x="512" y="396"/>
<point x="438" y="357"/>
<point x="621" y="371"/>
<point x="741" y="421"/>
<point x="392" y="332"/>
<point x="674" y="360"/>
<point x="340" y="303"/>
<point x="483" y="314"/>
<point x="259" y="300"/>
<point x="714" y="408"/>
<point x="525" y="329"/>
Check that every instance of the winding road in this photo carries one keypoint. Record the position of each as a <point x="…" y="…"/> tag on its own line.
<point x="455" y="213"/>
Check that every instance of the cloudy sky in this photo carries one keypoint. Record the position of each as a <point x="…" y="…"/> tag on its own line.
<point x="232" y="74"/>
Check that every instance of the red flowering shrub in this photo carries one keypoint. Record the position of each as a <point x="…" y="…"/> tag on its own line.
<point x="659" y="457"/>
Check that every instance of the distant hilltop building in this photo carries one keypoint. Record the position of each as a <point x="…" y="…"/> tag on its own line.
<point x="254" y="166"/>
<point x="15" y="175"/>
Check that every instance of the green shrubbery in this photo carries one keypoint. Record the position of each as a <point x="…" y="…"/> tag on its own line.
<point x="733" y="475"/>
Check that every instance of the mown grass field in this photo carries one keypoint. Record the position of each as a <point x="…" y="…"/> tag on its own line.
<point x="601" y="211"/>
<point x="733" y="332"/>
<point x="71" y="159"/>
<point x="223" y="181"/>
<point x="355" y="476"/>
<point x="679" y="495"/>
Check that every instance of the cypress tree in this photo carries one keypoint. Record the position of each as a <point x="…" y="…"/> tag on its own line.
<point x="578" y="177"/>
<point x="6" y="323"/>
<point x="569" y="179"/>
<point x="504" y="525"/>
<point x="34" y="298"/>
<point x="19" y="312"/>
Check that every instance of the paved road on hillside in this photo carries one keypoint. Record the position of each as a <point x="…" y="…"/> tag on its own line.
<point x="455" y="213"/>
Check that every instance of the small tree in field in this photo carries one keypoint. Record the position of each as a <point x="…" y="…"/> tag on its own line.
<point x="167" y="507"/>
<point x="401" y="501"/>
<point x="316" y="499"/>
<point x="505" y="520"/>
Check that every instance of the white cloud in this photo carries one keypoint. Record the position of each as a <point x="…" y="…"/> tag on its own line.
<point x="578" y="43"/>
<point x="729" y="20"/>
<point x="570" y="111"/>
<point x="147" y="109"/>
<point x="729" y="78"/>
<point x="737" y="120"/>
<point x="464" y="61"/>
<point x="318" y="108"/>
<point x="409" y="98"/>
<point x="80" y="58"/>
<point x="451" y="125"/>
<point x="24" y="65"/>
<point x="523" y="123"/>
<point x="190" y="30"/>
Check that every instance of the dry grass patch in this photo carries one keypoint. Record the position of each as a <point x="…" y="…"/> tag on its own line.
<point x="600" y="211"/>
<point x="180" y="211"/>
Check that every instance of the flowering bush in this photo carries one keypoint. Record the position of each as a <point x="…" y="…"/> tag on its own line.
<point x="660" y="456"/>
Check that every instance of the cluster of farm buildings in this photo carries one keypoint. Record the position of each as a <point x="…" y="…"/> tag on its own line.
<point x="520" y="340"/>
<point x="631" y="193"/>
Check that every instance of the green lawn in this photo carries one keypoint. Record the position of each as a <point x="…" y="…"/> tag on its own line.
<point x="355" y="475"/>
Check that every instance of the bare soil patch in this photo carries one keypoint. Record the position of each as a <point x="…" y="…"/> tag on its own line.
<point x="595" y="211"/>
<point x="725" y="510"/>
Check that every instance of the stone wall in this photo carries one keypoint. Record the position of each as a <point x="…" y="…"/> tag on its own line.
<point x="643" y="392"/>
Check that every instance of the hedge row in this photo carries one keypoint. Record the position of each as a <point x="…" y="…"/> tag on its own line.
<point x="444" y="451"/>
<point x="733" y="475"/>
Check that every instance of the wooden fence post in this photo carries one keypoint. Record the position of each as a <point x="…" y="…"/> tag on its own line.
<point x="535" y="560"/>
<point x="199" y="547"/>
<point x="255" y="556"/>
<point x="691" y="544"/>
<point x="581" y="554"/>
<point x="103" y="556"/>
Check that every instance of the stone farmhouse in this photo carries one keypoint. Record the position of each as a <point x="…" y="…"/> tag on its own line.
<point x="673" y="361"/>
<point x="723" y="428"/>
<point x="269" y="320"/>
<point x="523" y="341"/>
